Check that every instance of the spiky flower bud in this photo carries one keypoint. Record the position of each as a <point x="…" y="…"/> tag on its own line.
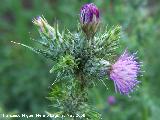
<point x="39" y="21"/>
<point x="45" y="28"/>
<point x="124" y="73"/>
<point x="89" y="18"/>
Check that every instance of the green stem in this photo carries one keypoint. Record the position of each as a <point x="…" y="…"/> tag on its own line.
<point x="80" y="78"/>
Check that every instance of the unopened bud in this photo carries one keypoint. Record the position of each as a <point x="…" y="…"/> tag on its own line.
<point x="89" y="18"/>
<point x="45" y="28"/>
<point x="39" y="21"/>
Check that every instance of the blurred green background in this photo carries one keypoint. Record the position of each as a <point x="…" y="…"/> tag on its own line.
<point x="24" y="76"/>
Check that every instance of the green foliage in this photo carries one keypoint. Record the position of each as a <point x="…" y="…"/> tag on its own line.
<point x="64" y="63"/>
<point x="107" y="43"/>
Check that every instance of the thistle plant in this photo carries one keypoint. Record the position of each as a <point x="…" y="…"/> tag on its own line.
<point x="82" y="59"/>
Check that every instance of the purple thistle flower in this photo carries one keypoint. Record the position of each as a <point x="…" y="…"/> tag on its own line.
<point x="111" y="100"/>
<point x="124" y="73"/>
<point x="89" y="18"/>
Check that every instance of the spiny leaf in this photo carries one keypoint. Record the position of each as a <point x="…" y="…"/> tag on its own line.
<point x="64" y="63"/>
<point x="107" y="43"/>
<point x="44" y="53"/>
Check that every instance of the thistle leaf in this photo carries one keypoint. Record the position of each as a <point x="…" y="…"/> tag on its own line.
<point x="107" y="43"/>
<point x="44" y="53"/>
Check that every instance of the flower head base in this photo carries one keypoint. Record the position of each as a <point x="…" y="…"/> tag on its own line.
<point x="89" y="18"/>
<point x="124" y="73"/>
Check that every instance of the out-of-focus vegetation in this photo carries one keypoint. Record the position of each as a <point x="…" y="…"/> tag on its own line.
<point x="24" y="76"/>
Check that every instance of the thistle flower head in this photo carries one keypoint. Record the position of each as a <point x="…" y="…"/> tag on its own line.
<point x="124" y="73"/>
<point x="89" y="13"/>
<point x="111" y="100"/>
<point x="89" y="18"/>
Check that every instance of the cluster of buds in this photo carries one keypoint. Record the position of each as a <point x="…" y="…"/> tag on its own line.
<point x="123" y="72"/>
<point x="89" y="18"/>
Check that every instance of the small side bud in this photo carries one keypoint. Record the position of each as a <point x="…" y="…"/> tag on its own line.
<point x="40" y="22"/>
<point x="45" y="28"/>
<point x="89" y="18"/>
